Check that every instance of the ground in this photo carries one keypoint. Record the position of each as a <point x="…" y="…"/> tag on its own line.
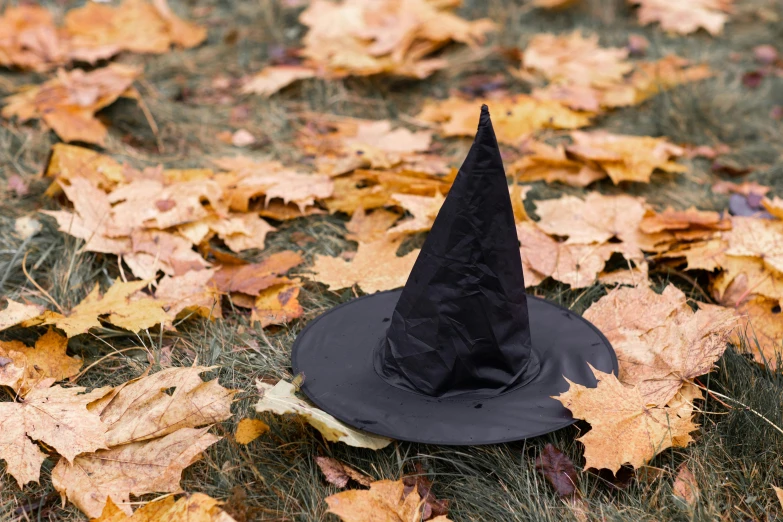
<point x="736" y="456"/>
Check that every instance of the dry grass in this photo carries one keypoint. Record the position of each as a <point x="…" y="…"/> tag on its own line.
<point x="736" y="457"/>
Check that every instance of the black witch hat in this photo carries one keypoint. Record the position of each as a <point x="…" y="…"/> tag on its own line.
<point x="461" y="355"/>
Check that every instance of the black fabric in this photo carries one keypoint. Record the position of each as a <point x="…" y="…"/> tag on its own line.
<point x="461" y="355"/>
<point x="335" y="355"/>
<point x="461" y="324"/>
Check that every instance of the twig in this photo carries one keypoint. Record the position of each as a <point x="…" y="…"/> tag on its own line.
<point x="44" y="292"/>
<point x="81" y="373"/>
<point x="747" y="408"/>
<point x="687" y="278"/>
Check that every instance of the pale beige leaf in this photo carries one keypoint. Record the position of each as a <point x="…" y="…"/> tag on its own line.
<point x="386" y="500"/>
<point x="280" y="399"/>
<point x="16" y="313"/>
<point x="685" y="486"/>
<point x="275" y="77"/>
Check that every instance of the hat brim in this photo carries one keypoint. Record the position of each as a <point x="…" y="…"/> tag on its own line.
<point x="335" y="354"/>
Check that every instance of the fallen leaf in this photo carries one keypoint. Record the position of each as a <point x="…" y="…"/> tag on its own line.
<point x="98" y="31"/>
<point x="15" y="313"/>
<point x="685" y="17"/>
<point x="515" y="117"/>
<point x="431" y="506"/>
<point x="550" y="164"/>
<point x="57" y="417"/>
<point x="47" y="360"/>
<point x="774" y="206"/>
<point x="68" y="162"/>
<point x="661" y="344"/>
<point x="153" y="250"/>
<point x="275" y="77"/>
<point x="743" y="276"/>
<point x="30" y="39"/>
<point x="555" y="4"/>
<point x="249" y="430"/>
<point x="704" y="255"/>
<point x="746" y="188"/>
<point x="762" y="328"/>
<point x="196" y="507"/>
<point x="338" y="473"/>
<point x="559" y="471"/>
<point x="671" y="219"/>
<point x="762" y="238"/>
<point x="280" y="399"/>
<point x="626" y="158"/>
<point x="117" y="306"/>
<point x="277" y="304"/>
<point x="349" y="38"/>
<point x="685" y="486"/>
<point x="68" y="103"/>
<point x="624" y="429"/>
<point x="189" y="293"/>
<point x="135" y="469"/>
<point x="779" y="494"/>
<point x="374" y="268"/>
<point x="368" y="227"/>
<point x="423" y="211"/>
<point x="384" y="500"/>
<point x="253" y="278"/>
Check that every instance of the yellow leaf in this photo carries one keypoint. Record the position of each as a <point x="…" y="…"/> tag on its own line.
<point x="277" y="305"/>
<point x="16" y="313"/>
<point x="386" y="500"/>
<point x="32" y="365"/>
<point x="249" y="430"/>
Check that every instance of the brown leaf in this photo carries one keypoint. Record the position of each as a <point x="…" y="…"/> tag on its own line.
<point x="685" y="486"/>
<point x="68" y="103"/>
<point x="68" y="162"/>
<point x="419" y="482"/>
<point x="685" y="17"/>
<point x="135" y="469"/>
<point x="196" y="507"/>
<point x="762" y="238"/>
<point x="33" y="365"/>
<point x="423" y="211"/>
<point x="30" y="39"/>
<point x="742" y="276"/>
<point x="384" y="500"/>
<point x="252" y="279"/>
<point x="338" y="473"/>
<point x="366" y="228"/>
<point x="57" y="417"/>
<point x="762" y="327"/>
<point x="559" y="471"/>
<point x="671" y="219"/>
<point x="661" y="344"/>
<point x="374" y="268"/>
<point x="550" y="164"/>
<point x="625" y="429"/>
<point x="249" y="430"/>
<point x="100" y="31"/>
<point x="189" y="293"/>
<point x="746" y="188"/>
<point x="514" y="117"/>
<point x="275" y="77"/>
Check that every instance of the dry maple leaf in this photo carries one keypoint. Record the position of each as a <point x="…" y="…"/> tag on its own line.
<point x="68" y="103"/>
<point x="596" y="219"/>
<point x="762" y="238"/>
<point x="361" y="37"/>
<point x="189" y="293"/>
<point x="626" y="158"/>
<point x="156" y="250"/>
<point x="624" y="428"/>
<point x="421" y="484"/>
<point x="423" y="211"/>
<point x="57" y="417"/>
<point x="761" y="328"/>
<point x="385" y="500"/>
<point x="575" y="265"/>
<point x="368" y="227"/>
<point x="516" y="117"/>
<point x="248" y="179"/>
<point x="277" y="304"/>
<point x="339" y="473"/>
<point x="671" y="219"/>
<point x="249" y="430"/>
<point x="543" y="162"/>
<point x="98" y="31"/>
<point x="742" y="276"/>
<point x="685" y="17"/>
<point x="117" y="306"/>
<point x="196" y="507"/>
<point x="16" y="313"/>
<point x="47" y="360"/>
<point x="575" y="58"/>
<point x="238" y="231"/>
<point x="281" y="399"/>
<point x="774" y="206"/>
<point x="162" y="403"/>
<point x="685" y="486"/>
<point x="375" y="267"/>
<point x="130" y="469"/>
<point x="650" y="78"/>
<point x="705" y="255"/>
<point x="29" y="39"/>
<point x="661" y="344"/>
<point x="273" y="78"/>
<point x="252" y="279"/>
<point x="68" y="162"/>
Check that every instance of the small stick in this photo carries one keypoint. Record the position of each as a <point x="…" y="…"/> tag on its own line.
<point x="747" y="408"/>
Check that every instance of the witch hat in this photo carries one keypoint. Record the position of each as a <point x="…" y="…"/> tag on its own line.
<point x="461" y="355"/>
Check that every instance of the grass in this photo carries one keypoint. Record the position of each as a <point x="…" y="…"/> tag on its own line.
<point x="736" y="456"/>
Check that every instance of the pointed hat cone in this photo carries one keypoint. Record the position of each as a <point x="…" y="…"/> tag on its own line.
<point x="461" y="324"/>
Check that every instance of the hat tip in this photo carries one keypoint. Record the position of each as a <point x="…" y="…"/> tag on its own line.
<point x="484" y="119"/>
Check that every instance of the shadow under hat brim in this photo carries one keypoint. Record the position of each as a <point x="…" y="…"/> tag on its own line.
<point x="335" y="354"/>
